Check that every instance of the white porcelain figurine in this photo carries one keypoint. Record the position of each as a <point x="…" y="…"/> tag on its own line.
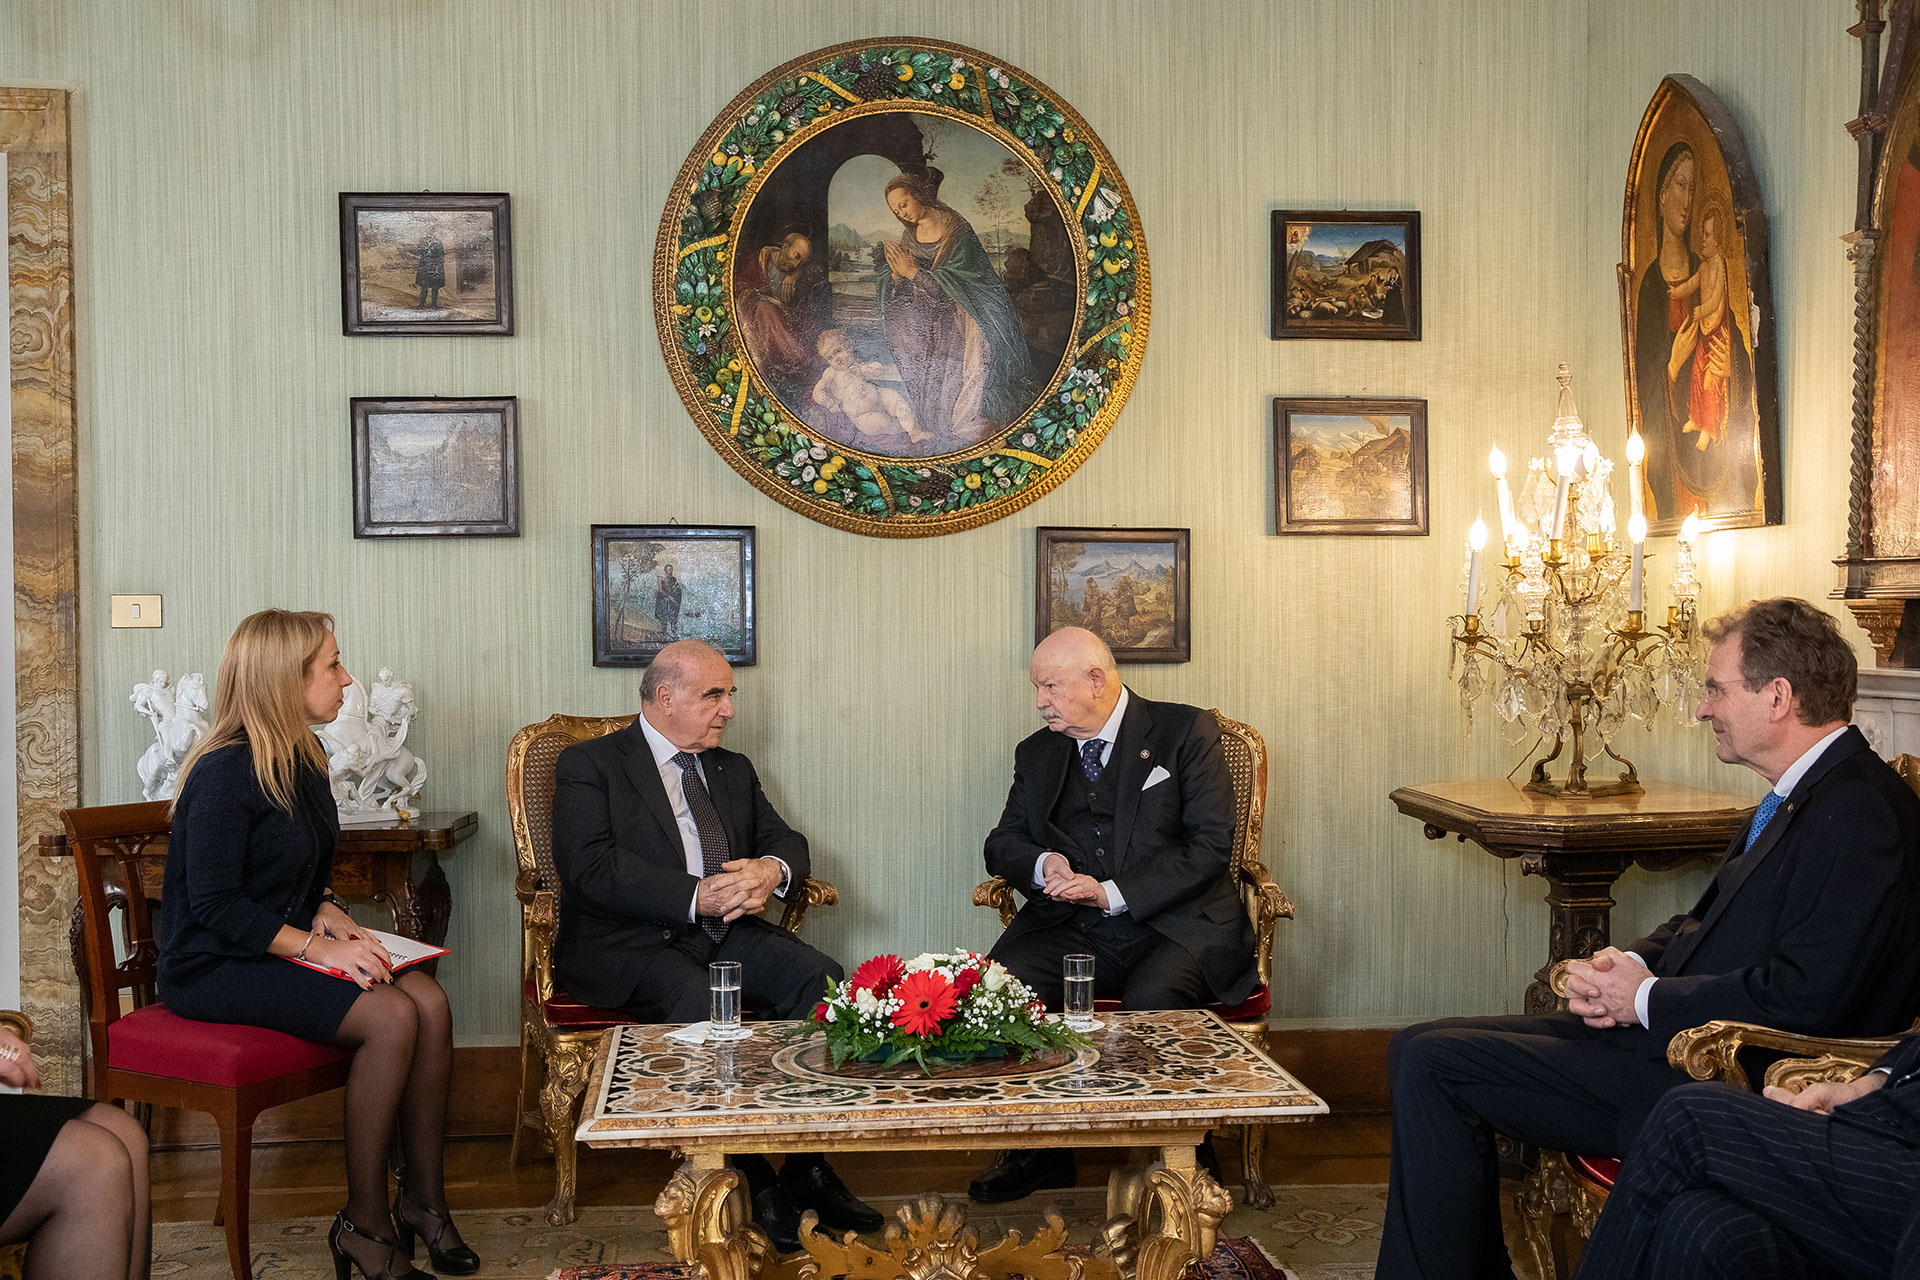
<point x="375" y="777"/>
<point x="178" y="715"/>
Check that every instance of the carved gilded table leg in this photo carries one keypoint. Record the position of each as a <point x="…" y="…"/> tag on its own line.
<point x="1189" y="1205"/>
<point x="703" y="1207"/>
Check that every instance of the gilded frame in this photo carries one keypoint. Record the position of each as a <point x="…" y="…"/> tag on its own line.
<point x="699" y="254"/>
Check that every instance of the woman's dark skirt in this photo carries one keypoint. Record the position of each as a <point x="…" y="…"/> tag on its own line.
<point x="28" y="1126"/>
<point x="263" y="991"/>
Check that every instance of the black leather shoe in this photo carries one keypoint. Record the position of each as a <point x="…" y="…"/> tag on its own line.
<point x="777" y="1215"/>
<point x="1021" y="1173"/>
<point x="1208" y="1161"/>
<point x="817" y="1187"/>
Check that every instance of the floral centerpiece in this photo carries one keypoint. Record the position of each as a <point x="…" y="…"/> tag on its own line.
<point x="939" y="1009"/>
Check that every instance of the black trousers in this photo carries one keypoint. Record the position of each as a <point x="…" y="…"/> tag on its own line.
<point x="1724" y="1183"/>
<point x="1549" y="1080"/>
<point x="780" y="976"/>
<point x="1130" y="960"/>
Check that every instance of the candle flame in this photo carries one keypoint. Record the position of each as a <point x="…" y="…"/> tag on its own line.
<point x="1637" y="527"/>
<point x="1690" y="527"/>
<point x="1568" y="456"/>
<point x="1636" y="448"/>
<point x="1477" y="536"/>
<point x="1590" y="456"/>
<point x="1497" y="463"/>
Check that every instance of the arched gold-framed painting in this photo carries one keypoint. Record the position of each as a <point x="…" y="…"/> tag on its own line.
<point x="901" y="287"/>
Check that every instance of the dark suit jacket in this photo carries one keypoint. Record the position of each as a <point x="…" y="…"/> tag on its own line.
<point x="624" y="885"/>
<point x="1815" y="929"/>
<point x="1172" y="843"/>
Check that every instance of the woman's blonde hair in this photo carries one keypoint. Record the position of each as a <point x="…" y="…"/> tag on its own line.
<point x="261" y="698"/>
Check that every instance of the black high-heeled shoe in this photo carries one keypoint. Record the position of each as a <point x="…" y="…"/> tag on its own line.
<point x="456" y="1261"/>
<point x="344" y="1263"/>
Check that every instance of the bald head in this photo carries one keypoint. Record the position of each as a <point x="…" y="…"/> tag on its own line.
<point x="687" y="693"/>
<point x="1076" y="683"/>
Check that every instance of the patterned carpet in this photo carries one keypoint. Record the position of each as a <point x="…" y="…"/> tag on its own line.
<point x="1315" y="1233"/>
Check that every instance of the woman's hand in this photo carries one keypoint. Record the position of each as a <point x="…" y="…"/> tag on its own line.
<point x="361" y="958"/>
<point x="900" y="260"/>
<point x="17" y="1067"/>
<point x="331" y="922"/>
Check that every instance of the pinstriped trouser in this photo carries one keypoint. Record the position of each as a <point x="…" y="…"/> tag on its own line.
<point x="1726" y="1183"/>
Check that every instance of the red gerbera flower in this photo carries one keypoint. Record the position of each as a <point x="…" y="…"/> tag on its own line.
<point x="926" y="1001"/>
<point x="879" y="974"/>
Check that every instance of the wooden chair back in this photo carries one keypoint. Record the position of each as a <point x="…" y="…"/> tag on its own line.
<point x="107" y="842"/>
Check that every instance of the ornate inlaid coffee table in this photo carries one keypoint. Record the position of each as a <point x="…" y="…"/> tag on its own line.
<point x="1148" y="1080"/>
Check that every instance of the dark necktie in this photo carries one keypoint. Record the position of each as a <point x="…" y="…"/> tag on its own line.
<point x="1090" y="758"/>
<point x="713" y="836"/>
<point x="1769" y="805"/>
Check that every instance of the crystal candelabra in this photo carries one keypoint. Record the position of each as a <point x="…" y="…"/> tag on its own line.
<point x="1562" y="649"/>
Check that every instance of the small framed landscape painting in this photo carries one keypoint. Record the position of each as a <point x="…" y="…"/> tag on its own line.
<point x="426" y="264"/>
<point x="1346" y="275"/>
<point x="1130" y="587"/>
<point x="654" y="584"/>
<point x="1350" y="465"/>
<point x="424" y="467"/>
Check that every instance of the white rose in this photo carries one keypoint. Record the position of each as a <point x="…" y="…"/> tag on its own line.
<point x="925" y="960"/>
<point x="996" y="976"/>
<point x="866" y="1000"/>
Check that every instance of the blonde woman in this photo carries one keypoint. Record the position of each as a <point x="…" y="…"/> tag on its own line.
<point x="246" y="884"/>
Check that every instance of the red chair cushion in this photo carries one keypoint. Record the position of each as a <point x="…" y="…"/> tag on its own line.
<point x="1600" y="1169"/>
<point x="156" y="1042"/>
<point x="562" y="1010"/>
<point x="1254" y="1006"/>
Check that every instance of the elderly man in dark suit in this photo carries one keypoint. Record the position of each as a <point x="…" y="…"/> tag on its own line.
<point x="1812" y="924"/>
<point x="1825" y="1182"/>
<point x="1119" y="830"/>
<point x="667" y="848"/>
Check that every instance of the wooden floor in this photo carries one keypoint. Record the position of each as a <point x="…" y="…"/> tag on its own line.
<point x="306" y="1180"/>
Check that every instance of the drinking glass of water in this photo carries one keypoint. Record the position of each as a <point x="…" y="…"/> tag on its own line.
<point x="1076" y="976"/>
<point x="723" y="983"/>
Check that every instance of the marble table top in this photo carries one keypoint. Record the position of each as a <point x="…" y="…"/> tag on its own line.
<point x="1161" y="1072"/>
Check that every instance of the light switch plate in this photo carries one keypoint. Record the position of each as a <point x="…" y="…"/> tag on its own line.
<point x="136" y="611"/>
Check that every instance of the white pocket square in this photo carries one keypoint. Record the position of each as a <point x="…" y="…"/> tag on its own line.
<point x="1154" y="779"/>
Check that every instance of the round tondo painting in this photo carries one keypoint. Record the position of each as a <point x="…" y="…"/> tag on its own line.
<point x="901" y="287"/>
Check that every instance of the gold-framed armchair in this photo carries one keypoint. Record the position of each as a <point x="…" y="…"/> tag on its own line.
<point x="1267" y="905"/>
<point x="558" y="1034"/>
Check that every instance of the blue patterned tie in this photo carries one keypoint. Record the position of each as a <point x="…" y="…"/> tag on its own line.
<point x="1769" y="805"/>
<point x="1090" y="758"/>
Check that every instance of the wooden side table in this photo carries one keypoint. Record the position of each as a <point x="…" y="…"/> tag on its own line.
<point x="1581" y="845"/>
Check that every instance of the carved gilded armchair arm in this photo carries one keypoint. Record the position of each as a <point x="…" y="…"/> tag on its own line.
<point x="1710" y="1052"/>
<point x="814" y="893"/>
<point x="18" y="1023"/>
<point x="998" y="895"/>
<point x="536" y="932"/>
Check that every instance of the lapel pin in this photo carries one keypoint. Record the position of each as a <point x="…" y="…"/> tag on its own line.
<point x="1144" y="753"/>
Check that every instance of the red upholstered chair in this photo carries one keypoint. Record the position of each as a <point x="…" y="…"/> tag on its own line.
<point x="558" y="1034"/>
<point x="1266" y="904"/>
<point x="147" y="1054"/>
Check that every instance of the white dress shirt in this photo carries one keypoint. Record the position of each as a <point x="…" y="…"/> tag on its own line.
<point x="675" y="782"/>
<point x="1783" y="788"/>
<point x="1109" y="733"/>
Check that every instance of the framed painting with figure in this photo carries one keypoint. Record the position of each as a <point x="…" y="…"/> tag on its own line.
<point x="1349" y="464"/>
<point x="654" y="584"/>
<point x="426" y="264"/>
<point x="1340" y="274"/>
<point x="1130" y="587"/>
<point x="1696" y="308"/>
<point x="901" y="287"/>
<point x="424" y="467"/>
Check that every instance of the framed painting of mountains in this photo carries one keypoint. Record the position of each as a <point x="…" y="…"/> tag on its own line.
<point x="1127" y="586"/>
<point x="1346" y="275"/>
<point x="1350" y="465"/>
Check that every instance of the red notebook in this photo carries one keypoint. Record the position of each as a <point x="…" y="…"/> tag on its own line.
<point x="406" y="952"/>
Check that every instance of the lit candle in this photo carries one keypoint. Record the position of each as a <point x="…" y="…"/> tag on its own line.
<point x="1497" y="461"/>
<point x="1636" y="581"/>
<point x="1589" y="460"/>
<point x="1690" y="527"/>
<point x="1636" y="454"/>
<point x="1568" y="457"/>
<point x="1476" y="542"/>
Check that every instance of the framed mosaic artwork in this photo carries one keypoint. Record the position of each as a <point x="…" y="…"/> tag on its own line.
<point x="1696" y="317"/>
<point x="654" y="584"/>
<point x="1130" y="587"/>
<point x="1350" y="464"/>
<point x="424" y="467"/>
<point x="421" y="263"/>
<point x="901" y="287"/>
<point x="1341" y="274"/>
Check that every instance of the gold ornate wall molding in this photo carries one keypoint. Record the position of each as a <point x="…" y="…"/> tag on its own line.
<point x="34" y="132"/>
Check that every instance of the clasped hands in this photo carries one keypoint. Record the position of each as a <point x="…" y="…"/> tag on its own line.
<point x="1601" y="988"/>
<point x="1060" y="883"/>
<point x="341" y="945"/>
<point x="741" y="889"/>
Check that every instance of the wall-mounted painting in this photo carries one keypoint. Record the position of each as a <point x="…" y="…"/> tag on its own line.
<point x="1696" y="307"/>
<point x="426" y="264"/>
<point x="654" y="584"/>
<point x="1130" y="587"/>
<point x="424" y="467"/>
<point x="901" y="287"/>
<point x="1349" y="464"/>
<point x="1339" y="274"/>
